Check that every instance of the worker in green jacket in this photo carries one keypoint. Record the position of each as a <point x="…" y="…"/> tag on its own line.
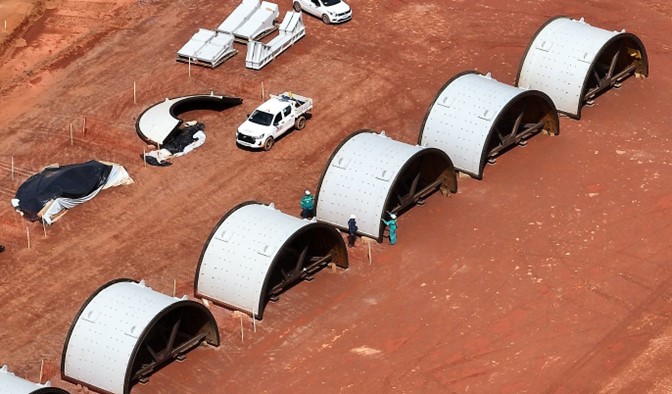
<point x="392" y="225"/>
<point x="307" y="205"/>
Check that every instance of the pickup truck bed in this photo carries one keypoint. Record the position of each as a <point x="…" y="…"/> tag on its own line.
<point x="303" y="104"/>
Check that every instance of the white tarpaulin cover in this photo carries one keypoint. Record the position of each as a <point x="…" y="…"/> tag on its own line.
<point x="50" y="193"/>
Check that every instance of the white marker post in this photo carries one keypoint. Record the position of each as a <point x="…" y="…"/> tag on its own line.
<point x="135" y="101"/>
<point x="242" y="334"/>
<point x="83" y="124"/>
<point x="12" y="167"/>
<point x="72" y="142"/>
<point x="189" y="67"/>
<point x="39" y="381"/>
<point x="44" y="227"/>
<point x="28" y="236"/>
<point x="370" y="259"/>
<point x="174" y="287"/>
<point x="262" y="90"/>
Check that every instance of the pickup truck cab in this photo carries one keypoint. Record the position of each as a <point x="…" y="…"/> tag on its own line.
<point x="330" y="11"/>
<point x="273" y="118"/>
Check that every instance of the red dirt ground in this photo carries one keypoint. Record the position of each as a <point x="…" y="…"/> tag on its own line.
<point x="550" y="275"/>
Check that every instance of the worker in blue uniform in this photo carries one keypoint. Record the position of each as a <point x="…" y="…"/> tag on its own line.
<point x="352" y="231"/>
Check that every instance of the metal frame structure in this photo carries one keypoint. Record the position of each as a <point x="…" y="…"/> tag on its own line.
<point x="291" y="30"/>
<point x="370" y="175"/>
<point x="256" y="252"/>
<point x="160" y="120"/>
<point x="574" y="62"/>
<point x="475" y="118"/>
<point x="125" y="331"/>
<point x="12" y="384"/>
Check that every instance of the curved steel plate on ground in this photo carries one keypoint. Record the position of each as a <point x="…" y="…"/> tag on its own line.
<point x="370" y="175"/>
<point x="12" y="384"/>
<point x="157" y="122"/>
<point x="574" y="62"/>
<point x="256" y="251"/>
<point x="126" y="330"/>
<point x="474" y="118"/>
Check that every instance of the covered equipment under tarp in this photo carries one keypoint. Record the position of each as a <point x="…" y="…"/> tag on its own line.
<point x="48" y="194"/>
<point x="178" y="144"/>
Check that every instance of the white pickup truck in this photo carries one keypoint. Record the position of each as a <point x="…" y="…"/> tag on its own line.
<point x="273" y="118"/>
<point x="330" y="11"/>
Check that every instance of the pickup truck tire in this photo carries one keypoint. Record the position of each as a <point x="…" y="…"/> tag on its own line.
<point x="300" y="122"/>
<point x="268" y="144"/>
<point x="325" y="19"/>
<point x="297" y="6"/>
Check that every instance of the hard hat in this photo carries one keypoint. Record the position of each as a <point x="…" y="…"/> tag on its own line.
<point x="393" y="216"/>
<point x="307" y="192"/>
<point x="353" y="217"/>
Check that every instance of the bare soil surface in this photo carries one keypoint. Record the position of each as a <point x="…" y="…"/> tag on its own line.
<point x="552" y="274"/>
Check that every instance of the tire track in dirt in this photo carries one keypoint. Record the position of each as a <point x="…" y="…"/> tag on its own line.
<point x="592" y="363"/>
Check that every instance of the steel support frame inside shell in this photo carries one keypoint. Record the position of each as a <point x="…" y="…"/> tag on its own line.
<point x="574" y="62"/>
<point x="125" y="331"/>
<point x="370" y="175"/>
<point x="475" y="118"/>
<point x="256" y="252"/>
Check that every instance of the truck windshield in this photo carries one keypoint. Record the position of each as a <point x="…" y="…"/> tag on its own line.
<point x="329" y="3"/>
<point x="262" y="118"/>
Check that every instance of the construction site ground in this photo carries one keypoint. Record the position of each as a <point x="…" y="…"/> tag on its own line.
<point x="552" y="274"/>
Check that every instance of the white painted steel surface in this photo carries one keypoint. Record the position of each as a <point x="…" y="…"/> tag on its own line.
<point x="156" y="123"/>
<point x="12" y="384"/>
<point x="207" y="47"/>
<point x="462" y="117"/>
<point x="102" y="340"/>
<point x="260" y="22"/>
<point x="559" y="58"/>
<point x="238" y="257"/>
<point x="238" y="17"/>
<point x="219" y="47"/>
<point x="196" y="42"/>
<point x="359" y="179"/>
<point x="291" y="30"/>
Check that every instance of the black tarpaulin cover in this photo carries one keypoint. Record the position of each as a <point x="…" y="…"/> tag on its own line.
<point x="70" y="181"/>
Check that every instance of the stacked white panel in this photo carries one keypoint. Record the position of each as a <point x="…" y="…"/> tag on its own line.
<point x="239" y="16"/>
<point x="291" y="30"/>
<point x="260" y="22"/>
